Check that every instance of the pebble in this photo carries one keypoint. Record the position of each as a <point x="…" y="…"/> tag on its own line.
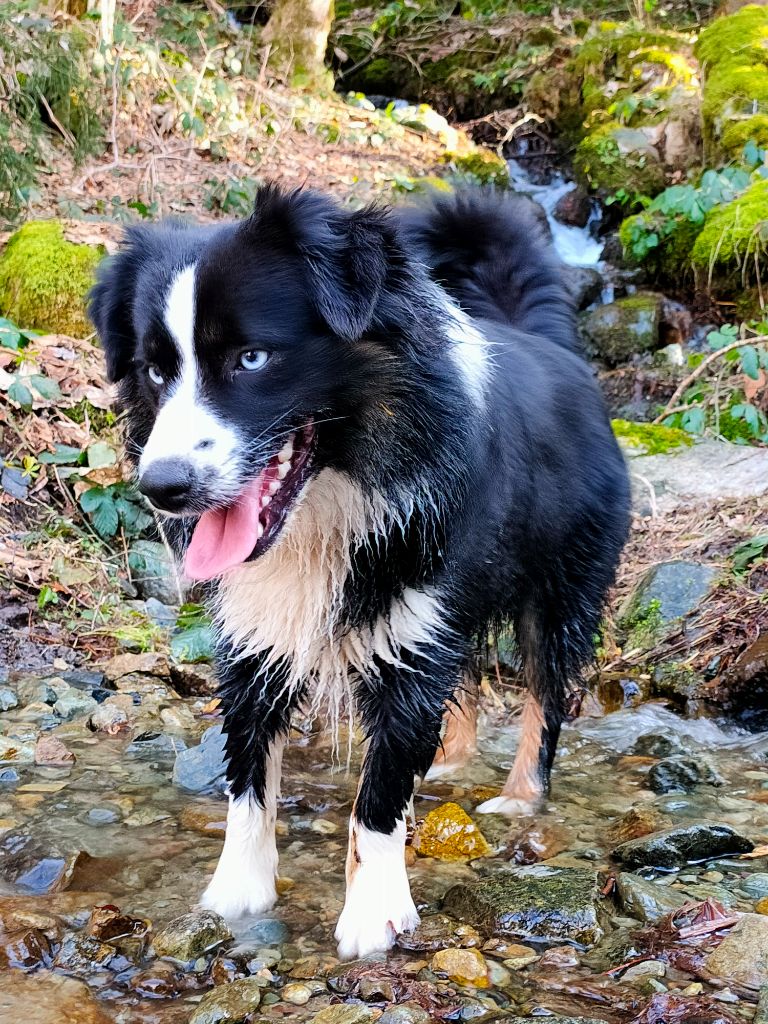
<point x="448" y="833"/>
<point x="344" y="1014"/>
<point x="462" y="966"/>
<point x="712" y="876"/>
<point x="296" y="993"/>
<point x="644" y="970"/>
<point x="8" y="699"/>
<point x="202" y="767"/>
<point x="755" y="885"/>
<point x="269" y="932"/>
<point x="405" y="1013"/>
<point x="761" y="907"/>
<point x="8" y="776"/>
<point x="324" y="826"/>
<point x="49" y="750"/>
<point x="109" y="718"/>
<point x="98" y="817"/>
<point x="228" y="1004"/>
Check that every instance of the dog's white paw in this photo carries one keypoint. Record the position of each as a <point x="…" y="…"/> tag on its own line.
<point x="234" y="896"/>
<point x="508" y="805"/>
<point x="376" y="911"/>
<point x="440" y="769"/>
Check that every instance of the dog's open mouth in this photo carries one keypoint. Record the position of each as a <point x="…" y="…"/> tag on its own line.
<point x="228" y="536"/>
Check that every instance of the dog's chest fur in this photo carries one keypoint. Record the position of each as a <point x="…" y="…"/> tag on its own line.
<point x="289" y="603"/>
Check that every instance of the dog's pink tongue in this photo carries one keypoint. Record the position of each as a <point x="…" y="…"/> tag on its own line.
<point x="224" y="537"/>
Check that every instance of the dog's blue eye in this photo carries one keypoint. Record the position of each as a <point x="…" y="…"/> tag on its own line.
<point x="155" y="376"/>
<point x="253" y="359"/>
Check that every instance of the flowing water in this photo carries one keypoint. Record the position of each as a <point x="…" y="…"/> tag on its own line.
<point x="113" y="829"/>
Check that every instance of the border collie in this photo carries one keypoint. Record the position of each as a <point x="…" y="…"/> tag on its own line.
<point x="374" y="434"/>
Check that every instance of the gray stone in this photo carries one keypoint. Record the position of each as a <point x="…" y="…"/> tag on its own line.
<point x="681" y="775"/>
<point x="154" y="572"/>
<point x="755" y="885"/>
<point x="584" y="283"/>
<point x="189" y="936"/>
<point x="98" y="817"/>
<point x="405" y="1013"/>
<point x="742" y="956"/>
<point x="761" y="1016"/>
<point x="232" y="1003"/>
<point x="673" y="847"/>
<point x="8" y="699"/>
<point x="624" y="328"/>
<point x="73" y="704"/>
<point x="544" y="902"/>
<point x="645" y="900"/>
<point x="14" y="482"/>
<point x="707" y="471"/>
<point x="202" y="768"/>
<point x="16" y="750"/>
<point x="9" y="776"/>
<point x="574" y="208"/>
<point x="267" y="932"/>
<point x="666" y="593"/>
<point x="344" y="1014"/>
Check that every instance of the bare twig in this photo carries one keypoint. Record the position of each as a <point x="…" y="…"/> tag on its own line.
<point x="699" y="371"/>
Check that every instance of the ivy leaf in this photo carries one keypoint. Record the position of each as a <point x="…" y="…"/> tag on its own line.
<point x="750" y="361"/>
<point x="100" y="454"/>
<point x="726" y="335"/>
<point x="105" y="519"/>
<point x="62" y="455"/>
<point x="20" y="393"/>
<point x="193" y="644"/>
<point x="45" y="387"/>
<point x="693" y="420"/>
<point x="10" y="335"/>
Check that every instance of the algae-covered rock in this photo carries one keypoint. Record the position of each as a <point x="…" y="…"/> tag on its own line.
<point x="232" y="1003"/>
<point x="448" y="833"/>
<point x="482" y="166"/>
<point x="190" y="935"/>
<point x="647" y="901"/>
<point x="624" y="328"/>
<point x="733" y="51"/>
<point x="733" y="241"/>
<point x="613" y="157"/>
<point x="554" y="903"/>
<point x="649" y="438"/>
<point x="673" y="847"/>
<point x="44" y="279"/>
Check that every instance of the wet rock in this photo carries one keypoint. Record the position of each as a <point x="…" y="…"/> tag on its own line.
<point x="202" y="767"/>
<point x="317" y="966"/>
<point x="676" y="322"/>
<point x="267" y="932"/>
<point x="35" y="865"/>
<point x="73" y="704"/>
<point x="553" y="903"/>
<point x="448" y="833"/>
<point x="164" y="615"/>
<point x="516" y="957"/>
<point x="8" y="699"/>
<point x="25" y="950"/>
<point x="646" y="900"/>
<point x="98" y="817"/>
<point x="110" y="717"/>
<point x="149" y="663"/>
<point x="755" y="885"/>
<point x="154" y="572"/>
<point x="742" y="956"/>
<point x="84" y="679"/>
<point x="644" y="970"/>
<point x="83" y="955"/>
<point x="405" y="1013"/>
<point x="194" y="679"/>
<point x="179" y="719"/>
<point x="16" y="750"/>
<point x="343" y="1014"/>
<point x="574" y="208"/>
<point x="296" y="994"/>
<point x="559" y="958"/>
<point x="229" y="1004"/>
<point x="462" y="966"/>
<point x="624" y="328"/>
<point x="152" y="746"/>
<point x="673" y="847"/>
<point x="107" y="923"/>
<point x="209" y="820"/>
<point x="189" y="936"/>
<point x="55" y="999"/>
<point x="437" y="932"/>
<point x="161" y="980"/>
<point x="584" y="283"/>
<point x="667" y="593"/>
<point x="49" y="750"/>
<point x="681" y="775"/>
<point x="8" y="776"/>
<point x="652" y="744"/>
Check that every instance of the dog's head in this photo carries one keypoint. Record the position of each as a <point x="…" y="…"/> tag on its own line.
<point x="232" y="345"/>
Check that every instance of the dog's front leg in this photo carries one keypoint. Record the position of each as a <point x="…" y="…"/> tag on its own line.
<point x="257" y="709"/>
<point x="401" y="714"/>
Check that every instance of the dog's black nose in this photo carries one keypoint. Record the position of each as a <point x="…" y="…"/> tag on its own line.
<point x="168" y="483"/>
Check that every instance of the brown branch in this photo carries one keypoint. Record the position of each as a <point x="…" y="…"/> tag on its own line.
<point x="700" y="369"/>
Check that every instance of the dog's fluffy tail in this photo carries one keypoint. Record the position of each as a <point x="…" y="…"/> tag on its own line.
<point x="491" y="254"/>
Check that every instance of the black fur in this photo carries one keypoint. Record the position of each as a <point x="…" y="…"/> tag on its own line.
<point x="514" y="509"/>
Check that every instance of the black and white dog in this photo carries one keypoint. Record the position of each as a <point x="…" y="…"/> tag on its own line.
<point x="374" y="433"/>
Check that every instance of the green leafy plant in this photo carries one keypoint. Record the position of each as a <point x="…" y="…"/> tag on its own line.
<point x="749" y="553"/>
<point x="230" y="195"/>
<point x="14" y="337"/>
<point x="112" y="507"/>
<point x="192" y="640"/>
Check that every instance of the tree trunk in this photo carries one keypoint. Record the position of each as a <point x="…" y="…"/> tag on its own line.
<point x="298" y="33"/>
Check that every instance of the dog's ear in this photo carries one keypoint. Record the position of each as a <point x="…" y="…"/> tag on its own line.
<point x="348" y="255"/>
<point x="110" y="308"/>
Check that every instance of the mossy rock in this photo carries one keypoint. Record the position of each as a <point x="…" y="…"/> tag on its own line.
<point x="650" y="438"/>
<point x="44" y="279"/>
<point x="612" y="157"/>
<point x="671" y="259"/>
<point x="482" y="166"/>
<point x="621" y="329"/>
<point x="734" y="53"/>
<point x="734" y="238"/>
<point x="736" y="134"/>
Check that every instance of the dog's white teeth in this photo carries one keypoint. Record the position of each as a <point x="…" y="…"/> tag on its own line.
<point x="286" y="452"/>
<point x="283" y="469"/>
<point x="259" y="532"/>
<point x="274" y="486"/>
<point x="265" y="500"/>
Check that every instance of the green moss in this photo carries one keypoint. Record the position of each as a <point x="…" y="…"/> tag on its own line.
<point x="733" y="237"/>
<point x="736" y="134"/>
<point x="482" y="166"/>
<point x="44" y="279"/>
<point x="611" y="157"/>
<point x="671" y="258"/>
<point x="650" y="438"/>
<point x="734" y="53"/>
<point x="644" y="627"/>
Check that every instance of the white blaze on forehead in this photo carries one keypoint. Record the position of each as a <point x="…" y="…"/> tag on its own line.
<point x="185" y="427"/>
